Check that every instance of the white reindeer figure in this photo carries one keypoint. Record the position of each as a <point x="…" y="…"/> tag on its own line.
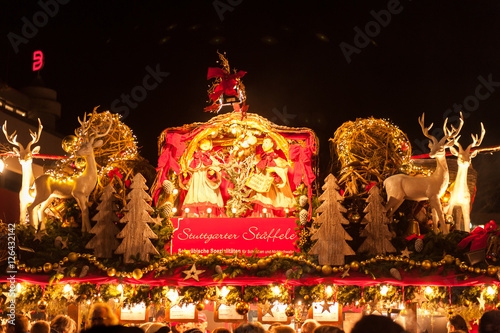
<point x="25" y="156"/>
<point x="460" y="195"/>
<point x="78" y="187"/>
<point x="400" y="187"/>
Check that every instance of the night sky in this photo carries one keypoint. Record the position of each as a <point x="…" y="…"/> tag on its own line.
<point x="424" y="56"/>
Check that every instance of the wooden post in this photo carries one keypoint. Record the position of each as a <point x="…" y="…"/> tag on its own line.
<point x="74" y="313"/>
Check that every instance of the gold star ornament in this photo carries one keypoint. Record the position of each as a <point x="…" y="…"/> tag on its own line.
<point x="193" y="273"/>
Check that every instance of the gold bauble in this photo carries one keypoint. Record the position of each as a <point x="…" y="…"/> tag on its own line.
<point x="362" y="302"/>
<point x="163" y="261"/>
<point x="355" y="217"/>
<point x="72" y="256"/>
<point x="290" y="311"/>
<point x="306" y="297"/>
<point x="463" y="267"/>
<point x="55" y="265"/>
<point x="111" y="272"/>
<point x="242" y="308"/>
<point x="42" y="305"/>
<point x="80" y="162"/>
<point x="39" y="269"/>
<point x="449" y="259"/>
<point x="426" y="264"/>
<point x="471" y="269"/>
<point x="326" y="269"/>
<point x="335" y="269"/>
<point x="434" y="264"/>
<point x="492" y="270"/>
<point x="477" y="270"/>
<point x="65" y="259"/>
<point x="255" y="266"/>
<point x="355" y="265"/>
<point x="262" y="263"/>
<point x="483" y="271"/>
<point x="69" y="143"/>
<point x="137" y="273"/>
<point x="200" y="306"/>
<point x="47" y="267"/>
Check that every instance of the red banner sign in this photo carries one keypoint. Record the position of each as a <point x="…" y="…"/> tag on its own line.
<point x="234" y="235"/>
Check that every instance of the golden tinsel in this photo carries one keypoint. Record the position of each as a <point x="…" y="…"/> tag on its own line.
<point x="369" y="150"/>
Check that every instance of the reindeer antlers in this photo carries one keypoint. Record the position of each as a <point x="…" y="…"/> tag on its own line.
<point x="35" y="136"/>
<point x="10" y="138"/>
<point x="475" y="141"/>
<point x="88" y="131"/>
<point x="425" y="130"/>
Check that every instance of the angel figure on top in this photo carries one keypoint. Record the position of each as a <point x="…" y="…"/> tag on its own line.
<point x="270" y="182"/>
<point x="202" y="182"/>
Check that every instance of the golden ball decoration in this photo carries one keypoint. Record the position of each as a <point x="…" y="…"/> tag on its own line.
<point x="80" y="162"/>
<point x="72" y="256"/>
<point x="355" y="266"/>
<point x="362" y="302"/>
<point x="47" y="267"/>
<point x="326" y="269"/>
<point x="477" y="270"/>
<point x="242" y="308"/>
<point x="42" y="305"/>
<point x="492" y="270"/>
<point x="426" y="264"/>
<point x="307" y="297"/>
<point x="290" y="311"/>
<point x="463" y="267"/>
<point x="69" y="143"/>
<point x="163" y="261"/>
<point x="449" y="259"/>
<point x="262" y="263"/>
<point x="111" y="272"/>
<point x="200" y="306"/>
<point x="137" y="274"/>
<point x="445" y="198"/>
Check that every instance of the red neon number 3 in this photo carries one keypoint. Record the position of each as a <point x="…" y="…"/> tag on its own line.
<point x="37" y="60"/>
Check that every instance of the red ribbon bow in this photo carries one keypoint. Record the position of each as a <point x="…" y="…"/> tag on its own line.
<point x="226" y="85"/>
<point x="301" y="156"/>
<point x="200" y="157"/>
<point x="267" y="160"/>
<point x="115" y="172"/>
<point x="478" y="237"/>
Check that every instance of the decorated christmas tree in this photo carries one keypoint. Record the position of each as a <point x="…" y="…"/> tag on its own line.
<point x="104" y="242"/>
<point x="331" y="246"/>
<point x="137" y="234"/>
<point x="376" y="231"/>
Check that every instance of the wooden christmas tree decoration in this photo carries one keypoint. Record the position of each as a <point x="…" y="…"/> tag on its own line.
<point x="331" y="246"/>
<point x="376" y="230"/>
<point x="137" y="234"/>
<point x="104" y="242"/>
